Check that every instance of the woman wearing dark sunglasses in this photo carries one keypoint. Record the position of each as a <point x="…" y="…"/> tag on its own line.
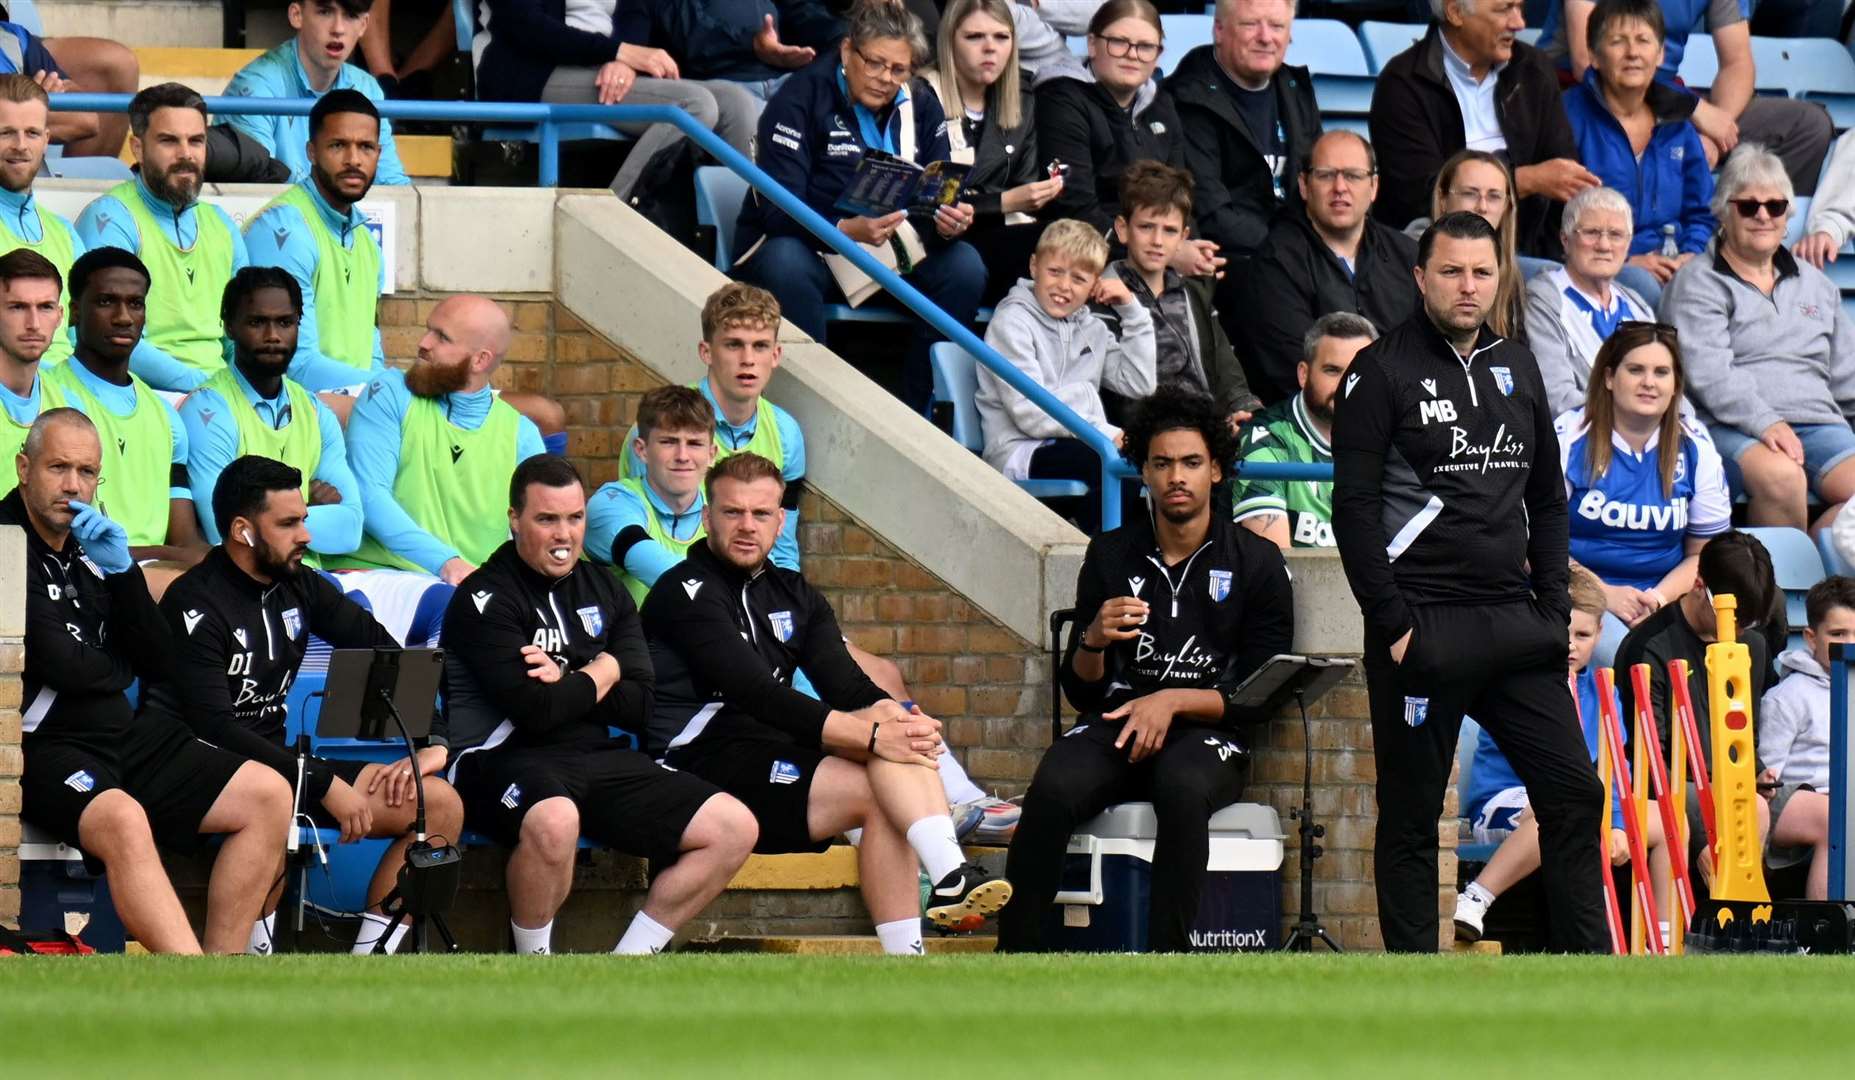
<point x="1770" y="353"/>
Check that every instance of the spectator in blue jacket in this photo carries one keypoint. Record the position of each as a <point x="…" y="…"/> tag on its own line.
<point x="1637" y="136"/>
<point x="756" y="43"/>
<point x="591" y="52"/>
<point x="23" y="52"/>
<point x="309" y="65"/>
<point x="812" y="136"/>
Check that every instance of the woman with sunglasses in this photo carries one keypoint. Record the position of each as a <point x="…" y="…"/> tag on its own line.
<point x="1642" y="480"/>
<point x="1770" y="353"/>
<point x="1096" y="122"/>
<point x="976" y="75"/>
<point x="863" y="99"/>
<point x="1572" y="309"/>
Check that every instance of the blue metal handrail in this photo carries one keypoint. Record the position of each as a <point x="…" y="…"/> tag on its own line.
<point x="547" y="119"/>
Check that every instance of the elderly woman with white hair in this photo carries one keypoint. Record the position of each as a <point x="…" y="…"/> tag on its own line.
<point x="1770" y="353"/>
<point x="1573" y="309"/>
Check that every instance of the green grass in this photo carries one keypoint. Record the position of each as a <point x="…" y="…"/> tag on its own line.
<point x="975" y="1018"/>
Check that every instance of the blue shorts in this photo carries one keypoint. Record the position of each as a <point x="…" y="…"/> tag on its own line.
<point x="1825" y="446"/>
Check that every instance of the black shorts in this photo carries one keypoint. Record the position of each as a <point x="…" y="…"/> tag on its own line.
<point x="772" y="776"/>
<point x="175" y="778"/>
<point x="346" y="770"/>
<point x="626" y="800"/>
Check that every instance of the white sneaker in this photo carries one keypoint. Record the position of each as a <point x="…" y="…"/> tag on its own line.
<point x="1469" y="915"/>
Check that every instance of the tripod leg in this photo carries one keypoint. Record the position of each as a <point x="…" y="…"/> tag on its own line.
<point x="444" y="933"/>
<point x="1326" y="937"/>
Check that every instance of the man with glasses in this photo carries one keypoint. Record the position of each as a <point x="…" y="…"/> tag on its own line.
<point x="1333" y="257"/>
<point x="1470" y="84"/>
<point x="1770" y="352"/>
<point x="1249" y="122"/>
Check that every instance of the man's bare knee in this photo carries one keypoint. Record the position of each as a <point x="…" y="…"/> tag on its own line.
<point x="551" y="829"/>
<point x="724" y="825"/>
<point x="114" y="826"/>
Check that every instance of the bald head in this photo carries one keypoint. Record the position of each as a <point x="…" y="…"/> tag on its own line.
<point x="466" y="338"/>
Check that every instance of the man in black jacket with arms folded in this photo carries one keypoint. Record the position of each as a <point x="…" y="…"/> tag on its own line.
<point x="727" y="630"/>
<point x="1177" y="610"/>
<point x="1449" y="511"/>
<point x="96" y="775"/>
<point x="241" y="619"/>
<point x="545" y="655"/>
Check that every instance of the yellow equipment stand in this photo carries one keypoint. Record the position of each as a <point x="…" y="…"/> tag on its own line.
<point x="1738" y="869"/>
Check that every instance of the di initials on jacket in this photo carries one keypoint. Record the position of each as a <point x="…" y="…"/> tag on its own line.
<point x="1446" y="477"/>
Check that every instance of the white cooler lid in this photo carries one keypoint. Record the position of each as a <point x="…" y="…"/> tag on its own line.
<point x="1137" y="821"/>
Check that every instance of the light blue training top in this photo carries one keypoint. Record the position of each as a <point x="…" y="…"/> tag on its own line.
<point x="280" y="237"/>
<point x="279" y="73"/>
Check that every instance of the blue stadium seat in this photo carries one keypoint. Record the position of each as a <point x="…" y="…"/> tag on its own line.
<point x="26" y="14"/>
<point x="1183" y="34"/>
<point x="1465" y="766"/>
<point x="1833" y="561"/>
<point x="1332" y="54"/>
<point x="1700" y="62"/>
<point x="1357" y="124"/>
<point x="956" y="382"/>
<point x="1842" y="271"/>
<point x="1797" y="565"/>
<point x="719" y="195"/>
<point x="463" y="14"/>
<point x="1800" y="213"/>
<point x="1383" y="40"/>
<point x="93" y="167"/>
<point x="1793" y="66"/>
<point x="1530" y="35"/>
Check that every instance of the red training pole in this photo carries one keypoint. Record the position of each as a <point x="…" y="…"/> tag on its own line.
<point x="1697" y="761"/>
<point x="1658" y="786"/>
<point x="1632" y="826"/>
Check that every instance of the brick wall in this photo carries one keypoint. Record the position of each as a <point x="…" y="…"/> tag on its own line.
<point x="12" y="662"/>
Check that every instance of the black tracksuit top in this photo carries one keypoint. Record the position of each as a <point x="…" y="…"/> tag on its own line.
<point x="1446" y="477"/>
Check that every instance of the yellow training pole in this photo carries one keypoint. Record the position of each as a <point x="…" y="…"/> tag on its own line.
<point x="1738" y="873"/>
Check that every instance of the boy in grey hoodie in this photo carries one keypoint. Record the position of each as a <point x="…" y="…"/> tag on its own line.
<point x="1044" y="327"/>
<point x="1793" y="735"/>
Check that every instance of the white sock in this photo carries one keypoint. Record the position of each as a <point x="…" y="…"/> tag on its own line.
<point x="262" y="933"/>
<point x="533" y="942"/>
<point x="901" y="937"/>
<point x="1477" y="893"/>
<point x="854" y="836"/>
<point x="643" y="937"/>
<point x="958" y="786"/>
<point x="371" y="926"/>
<point x="936" y="846"/>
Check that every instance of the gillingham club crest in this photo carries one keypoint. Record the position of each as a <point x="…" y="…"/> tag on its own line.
<point x="1220" y="584"/>
<point x="592" y="620"/>
<point x="1503" y="378"/>
<point x="781" y="622"/>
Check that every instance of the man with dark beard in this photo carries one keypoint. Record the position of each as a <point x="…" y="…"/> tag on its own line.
<point x="241" y="622"/>
<point x="1175" y="610"/>
<point x="252" y="407"/>
<point x="24" y="222"/>
<point x="191" y="249"/>
<point x="316" y="232"/>
<point x="434" y="448"/>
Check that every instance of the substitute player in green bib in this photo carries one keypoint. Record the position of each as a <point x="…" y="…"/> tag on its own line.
<point x="252" y="407"/>
<point x="143" y="486"/>
<point x="643" y="525"/>
<point x="191" y="249"/>
<point x="740" y="348"/>
<point x="434" y="447"/>
<point x="316" y="231"/>
<point x="30" y="315"/>
<point x="1299" y="513"/>
<point x="24" y="223"/>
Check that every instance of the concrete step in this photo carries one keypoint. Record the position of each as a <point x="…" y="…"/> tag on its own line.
<point x="1482" y="948"/>
<point x="139" y="23"/>
<point x="835" y="945"/>
<point x="833" y="868"/>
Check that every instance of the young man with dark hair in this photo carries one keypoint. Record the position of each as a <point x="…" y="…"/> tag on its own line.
<point x="145" y="485"/>
<point x="313" y="64"/>
<point x="1449" y="510"/>
<point x="30" y="319"/>
<point x="242" y="619"/>
<point x="316" y="231"/>
<point x="1189" y="345"/>
<point x="253" y="407"/>
<point x="433" y="447"/>
<point x="546" y="654"/>
<point x="726" y="637"/>
<point x="1299" y="431"/>
<point x="98" y="776"/>
<point x="1175" y="610"/>
<point x="192" y="249"/>
<point x="24" y="222"/>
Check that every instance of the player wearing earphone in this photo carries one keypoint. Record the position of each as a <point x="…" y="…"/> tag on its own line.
<point x="242" y="619"/>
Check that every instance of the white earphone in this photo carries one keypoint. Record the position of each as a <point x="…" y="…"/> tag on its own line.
<point x="245" y="535"/>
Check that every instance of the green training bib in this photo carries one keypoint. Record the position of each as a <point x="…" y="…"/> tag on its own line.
<point x="655" y="527"/>
<point x="13" y="433"/>
<point x="58" y="244"/>
<point x="347" y="283"/>
<point x="138" y="455"/>
<point x="187" y="286"/>
<point x="766" y="441"/>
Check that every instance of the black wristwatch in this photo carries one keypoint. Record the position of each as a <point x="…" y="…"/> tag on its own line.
<point x="874" y="724"/>
<point x="1083" y="644"/>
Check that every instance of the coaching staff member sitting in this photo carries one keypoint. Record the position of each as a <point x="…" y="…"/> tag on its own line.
<point x="1181" y="607"/>
<point x="543" y="654"/>
<point x="1449" y="510"/>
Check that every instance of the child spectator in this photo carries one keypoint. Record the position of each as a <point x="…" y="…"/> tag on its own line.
<point x="1044" y="327"/>
<point x="1793" y="736"/>
<point x="1189" y="345"/>
<point x="1496" y="802"/>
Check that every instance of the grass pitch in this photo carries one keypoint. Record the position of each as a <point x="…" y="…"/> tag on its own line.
<point x="969" y="1018"/>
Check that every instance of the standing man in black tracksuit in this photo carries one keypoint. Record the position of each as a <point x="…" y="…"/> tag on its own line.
<point x="545" y="657"/>
<point x="1177" y="609"/>
<point x="96" y="775"/>
<point x="1449" y="511"/>
<point x="727" y="630"/>
<point x="241" y="620"/>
